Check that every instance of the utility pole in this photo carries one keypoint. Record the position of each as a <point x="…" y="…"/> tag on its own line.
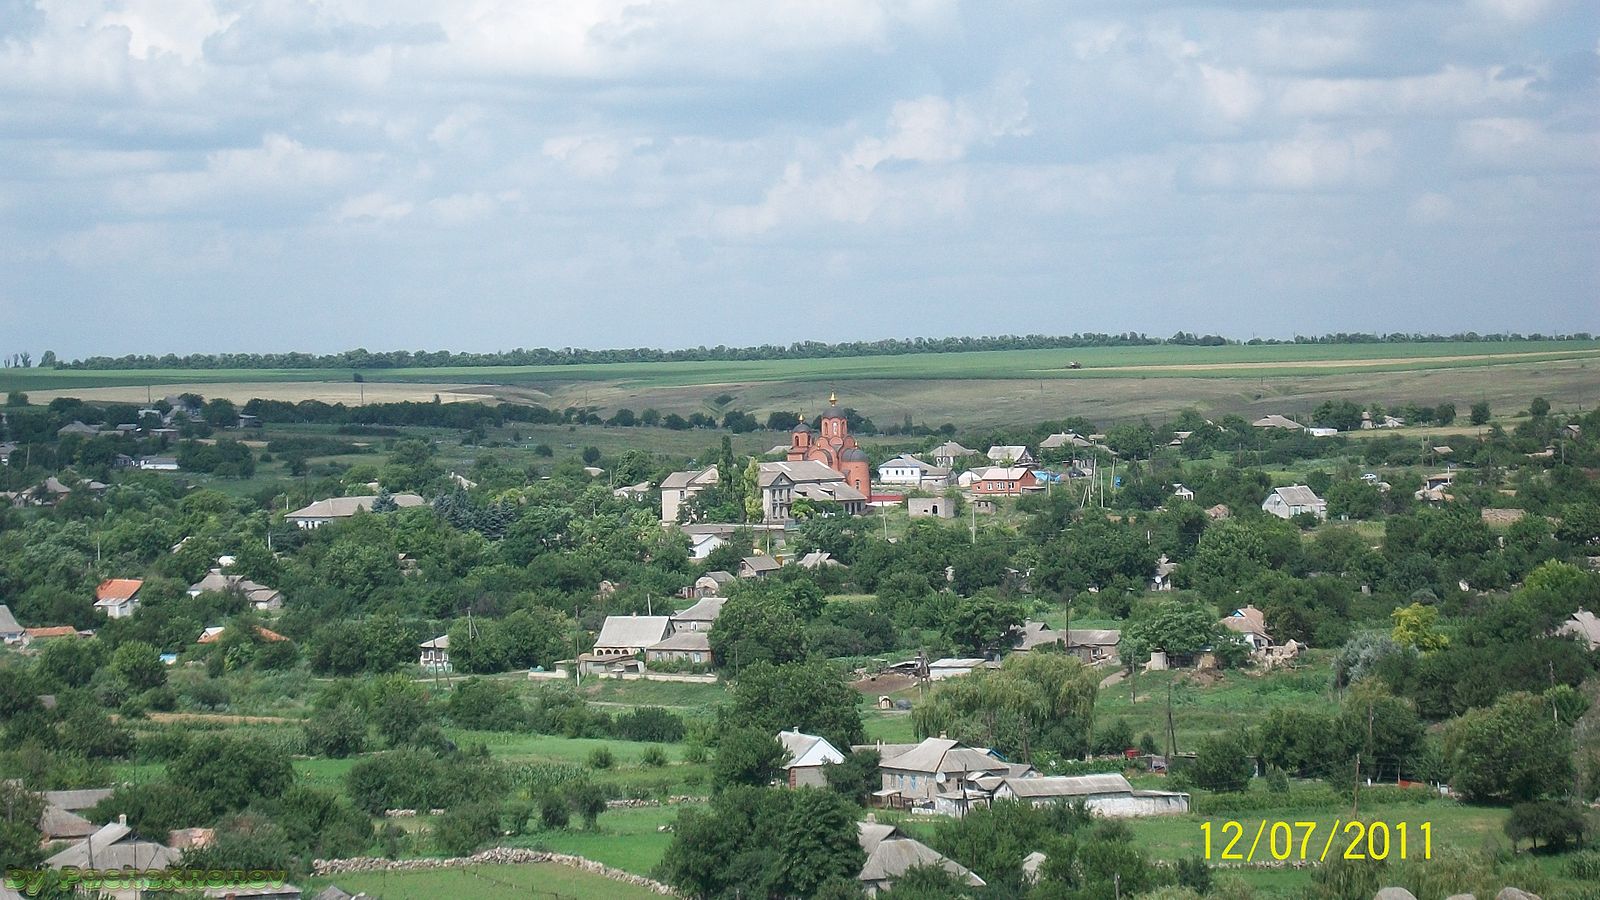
<point x="1356" y="793"/>
<point x="1172" y="733"/>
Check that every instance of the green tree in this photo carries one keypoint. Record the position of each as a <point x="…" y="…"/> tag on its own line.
<point x="984" y="623"/>
<point x="20" y="810"/>
<point x="463" y="829"/>
<point x="819" y="842"/>
<point x="1555" y="823"/>
<point x="1480" y="413"/>
<point x="1222" y="763"/>
<point x="1414" y="627"/>
<point x="1512" y="751"/>
<point x="139" y="666"/>
<point x="752" y="629"/>
<point x="807" y="696"/>
<point x="398" y="707"/>
<point x="747" y="756"/>
<point x="231" y="773"/>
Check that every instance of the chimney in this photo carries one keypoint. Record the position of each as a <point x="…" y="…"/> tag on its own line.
<point x="122" y="819"/>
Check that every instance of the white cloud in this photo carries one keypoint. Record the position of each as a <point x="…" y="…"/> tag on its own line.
<point x="376" y="206"/>
<point x="281" y="170"/>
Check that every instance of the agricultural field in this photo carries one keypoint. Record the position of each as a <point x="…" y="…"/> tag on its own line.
<point x="978" y="388"/>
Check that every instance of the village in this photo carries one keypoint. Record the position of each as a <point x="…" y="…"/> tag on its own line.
<point x="869" y="606"/>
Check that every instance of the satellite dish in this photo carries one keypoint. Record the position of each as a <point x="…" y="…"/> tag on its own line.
<point x="939" y="777"/>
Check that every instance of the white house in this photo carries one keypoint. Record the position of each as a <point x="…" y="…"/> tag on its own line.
<point x="808" y="753"/>
<point x="1182" y="493"/>
<point x="118" y="598"/>
<point x="158" y="463"/>
<point x="907" y="469"/>
<point x="1291" y="501"/>
<point x="701" y="545"/>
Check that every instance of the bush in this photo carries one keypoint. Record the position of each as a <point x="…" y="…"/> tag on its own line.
<point x="601" y="758"/>
<point x="554" y="811"/>
<point x="650" y="724"/>
<point x="1553" y="822"/>
<point x="337" y="733"/>
<point x="464" y="829"/>
<point x="1223" y="764"/>
<point x="654" y="757"/>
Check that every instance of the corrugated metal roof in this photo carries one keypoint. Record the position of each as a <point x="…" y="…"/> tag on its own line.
<point x="633" y="631"/>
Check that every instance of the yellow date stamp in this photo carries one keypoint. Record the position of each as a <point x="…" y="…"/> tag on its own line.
<point x="1281" y="841"/>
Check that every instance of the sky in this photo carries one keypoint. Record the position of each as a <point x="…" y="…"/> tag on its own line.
<point x="230" y="175"/>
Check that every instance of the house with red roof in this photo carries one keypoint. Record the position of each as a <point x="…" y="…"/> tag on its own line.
<point x="118" y="598"/>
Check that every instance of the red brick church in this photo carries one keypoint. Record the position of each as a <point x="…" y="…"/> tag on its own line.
<point x="833" y="447"/>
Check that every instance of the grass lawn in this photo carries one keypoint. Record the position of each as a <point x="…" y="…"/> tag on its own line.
<point x="540" y="880"/>
<point x="889" y="727"/>
<point x="629" y="839"/>
<point x="1236" y="702"/>
<point x="671" y="694"/>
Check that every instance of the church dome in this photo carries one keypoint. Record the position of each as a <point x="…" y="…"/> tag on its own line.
<point x="853" y="455"/>
<point x="833" y="413"/>
<point x="800" y="427"/>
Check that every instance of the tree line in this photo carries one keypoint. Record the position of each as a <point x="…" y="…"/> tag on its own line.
<point x="361" y="358"/>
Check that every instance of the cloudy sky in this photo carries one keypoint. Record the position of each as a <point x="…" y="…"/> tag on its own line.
<point x="195" y="175"/>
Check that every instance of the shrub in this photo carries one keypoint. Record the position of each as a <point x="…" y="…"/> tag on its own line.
<point x="1222" y="764"/>
<point x="554" y="812"/>
<point x="654" y="757"/>
<point x="337" y="733"/>
<point x="464" y="829"/>
<point x="601" y="758"/>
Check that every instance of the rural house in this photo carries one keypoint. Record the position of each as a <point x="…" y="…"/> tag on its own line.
<point x="1106" y="795"/>
<point x="930" y="508"/>
<point x="1277" y="421"/>
<point x="1010" y="455"/>
<point x="758" y="566"/>
<point x="940" y="774"/>
<point x="630" y="635"/>
<point x="679" y="488"/>
<point x="10" y="631"/>
<point x="948" y="454"/>
<point x="1005" y="481"/>
<point x="118" y="598"/>
<point x="711" y="584"/>
<point x="782" y="483"/>
<point x="891" y="854"/>
<point x="260" y="597"/>
<point x="1294" y="500"/>
<point x="334" y="509"/>
<point x="907" y="469"/>
<point x="700" y="616"/>
<point x="1251" y="624"/>
<point x="808" y="753"/>
<point x="681" y="647"/>
<point x="1582" y="625"/>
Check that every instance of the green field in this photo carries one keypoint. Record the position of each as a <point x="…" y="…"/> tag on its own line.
<point x="978" y="388"/>
<point x="1225" y="361"/>
<point x="540" y="881"/>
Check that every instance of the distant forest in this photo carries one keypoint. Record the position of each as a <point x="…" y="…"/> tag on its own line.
<point x="402" y="359"/>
